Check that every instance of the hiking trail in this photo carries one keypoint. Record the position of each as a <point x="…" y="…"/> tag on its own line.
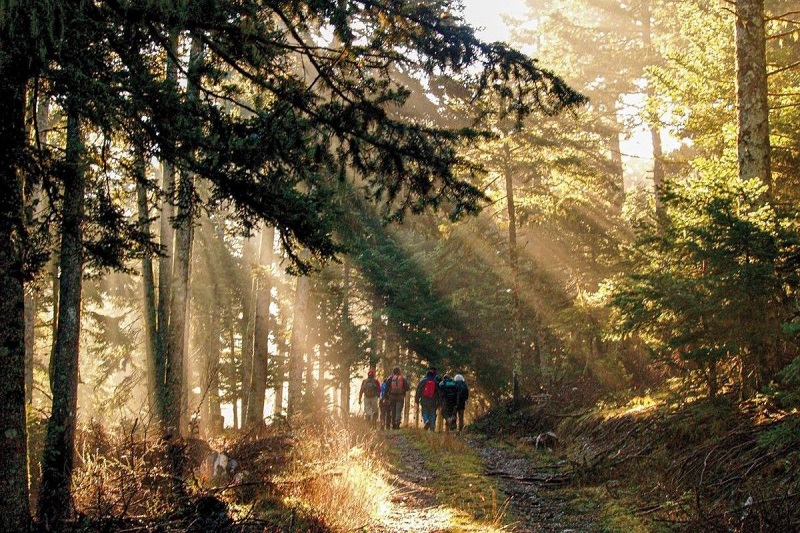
<point x="536" y="501"/>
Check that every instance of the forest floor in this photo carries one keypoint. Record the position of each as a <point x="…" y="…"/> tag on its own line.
<point x="453" y="483"/>
<point x="641" y="467"/>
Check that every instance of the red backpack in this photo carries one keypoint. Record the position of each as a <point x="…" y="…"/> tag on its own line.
<point x="397" y="385"/>
<point x="429" y="389"/>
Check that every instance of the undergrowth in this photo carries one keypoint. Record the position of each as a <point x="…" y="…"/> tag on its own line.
<point x="313" y="478"/>
<point x="336" y="473"/>
<point x="672" y="463"/>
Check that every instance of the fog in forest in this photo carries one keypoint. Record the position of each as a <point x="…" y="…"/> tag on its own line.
<point x="220" y="221"/>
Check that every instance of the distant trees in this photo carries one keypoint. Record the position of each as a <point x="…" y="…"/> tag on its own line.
<point x="608" y="289"/>
<point x="711" y="295"/>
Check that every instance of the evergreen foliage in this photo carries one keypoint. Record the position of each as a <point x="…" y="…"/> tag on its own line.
<point x="708" y="293"/>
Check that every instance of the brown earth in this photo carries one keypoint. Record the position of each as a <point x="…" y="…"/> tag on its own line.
<point x="536" y="499"/>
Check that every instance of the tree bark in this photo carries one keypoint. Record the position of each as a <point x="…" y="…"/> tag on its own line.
<point x="14" y="506"/>
<point x="179" y="296"/>
<point x="297" y="349"/>
<point x="344" y="375"/>
<point x="30" y="341"/>
<point x="655" y="127"/>
<point x="178" y="313"/>
<point x="310" y="389"/>
<point x="751" y="92"/>
<point x="212" y="412"/>
<point x="248" y="323"/>
<point x="208" y="335"/>
<point x="374" y="333"/>
<point x="514" y="265"/>
<point x="167" y="236"/>
<point x="55" y="501"/>
<point x="149" y="288"/>
<point x="259" y="373"/>
<point x="618" y="194"/>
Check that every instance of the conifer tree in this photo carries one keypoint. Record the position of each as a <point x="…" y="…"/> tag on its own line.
<point x="278" y="163"/>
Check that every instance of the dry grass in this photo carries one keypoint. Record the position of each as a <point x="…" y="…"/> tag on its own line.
<point x="336" y="473"/>
<point x="118" y="477"/>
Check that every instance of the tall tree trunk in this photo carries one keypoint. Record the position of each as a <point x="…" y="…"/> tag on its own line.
<point x="514" y="265"/>
<point x="178" y="313"/>
<point x="658" y="172"/>
<point x="310" y="352"/>
<point x="248" y="321"/>
<point x="753" y="135"/>
<point x="618" y="169"/>
<point x="344" y="374"/>
<point x="751" y="92"/>
<point x="41" y="126"/>
<point x="258" y="375"/>
<point x="149" y="288"/>
<point x="212" y="413"/>
<point x="279" y="377"/>
<point x="655" y="122"/>
<point x="234" y="396"/>
<point x="55" y="500"/>
<point x="167" y="237"/>
<point x="297" y="349"/>
<point x="30" y="341"/>
<point x="375" y="332"/>
<point x="177" y="337"/>
<point x="14" y="507"/>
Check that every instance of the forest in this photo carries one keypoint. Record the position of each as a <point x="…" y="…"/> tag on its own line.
<point x="216" y="216"/>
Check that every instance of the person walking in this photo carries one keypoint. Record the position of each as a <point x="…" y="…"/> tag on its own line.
<point x="398" y="387"/>
<point x="370" y="390"/>
<point x="385" y="404"/>
<point x="427" y="397"/>
<point x="448" y="393"/>
<point x="461" y="403"/>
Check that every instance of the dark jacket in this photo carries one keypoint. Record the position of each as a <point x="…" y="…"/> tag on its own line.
<point x="428" y="403"/>
<point x="463" y="394"/>
<point x="448" y="391"/>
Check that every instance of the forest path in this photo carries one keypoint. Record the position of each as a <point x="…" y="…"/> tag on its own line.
<point x="536" y="502"/>
<point x="414" y="507"/>
<point x="540" y="495"/>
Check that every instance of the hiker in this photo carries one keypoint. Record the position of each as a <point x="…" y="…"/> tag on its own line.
<point x="448" y="394"/>
<point x="398" y="387"/>
<point x="427" y="398"/>
<point x="461" y="403"/>
<point x="385" y="404"/>
<point x="370" y="389"/>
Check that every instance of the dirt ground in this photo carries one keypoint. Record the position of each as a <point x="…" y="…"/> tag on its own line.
<point x="537" y="503"/>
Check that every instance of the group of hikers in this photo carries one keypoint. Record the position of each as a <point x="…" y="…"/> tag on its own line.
<point x="386" y="399"/>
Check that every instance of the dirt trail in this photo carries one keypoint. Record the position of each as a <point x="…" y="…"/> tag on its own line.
<point x="537" y="498"/>
<point x="414" y="507"/>
<point x="537" y="507"/>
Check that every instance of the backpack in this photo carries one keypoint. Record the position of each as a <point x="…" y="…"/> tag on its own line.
<point x="429" y="389"/>
<point x="449" y="389"/>
<point x="370" y="388"/>
<point x="384" y="388"/>
<point x="397" y="385"/>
